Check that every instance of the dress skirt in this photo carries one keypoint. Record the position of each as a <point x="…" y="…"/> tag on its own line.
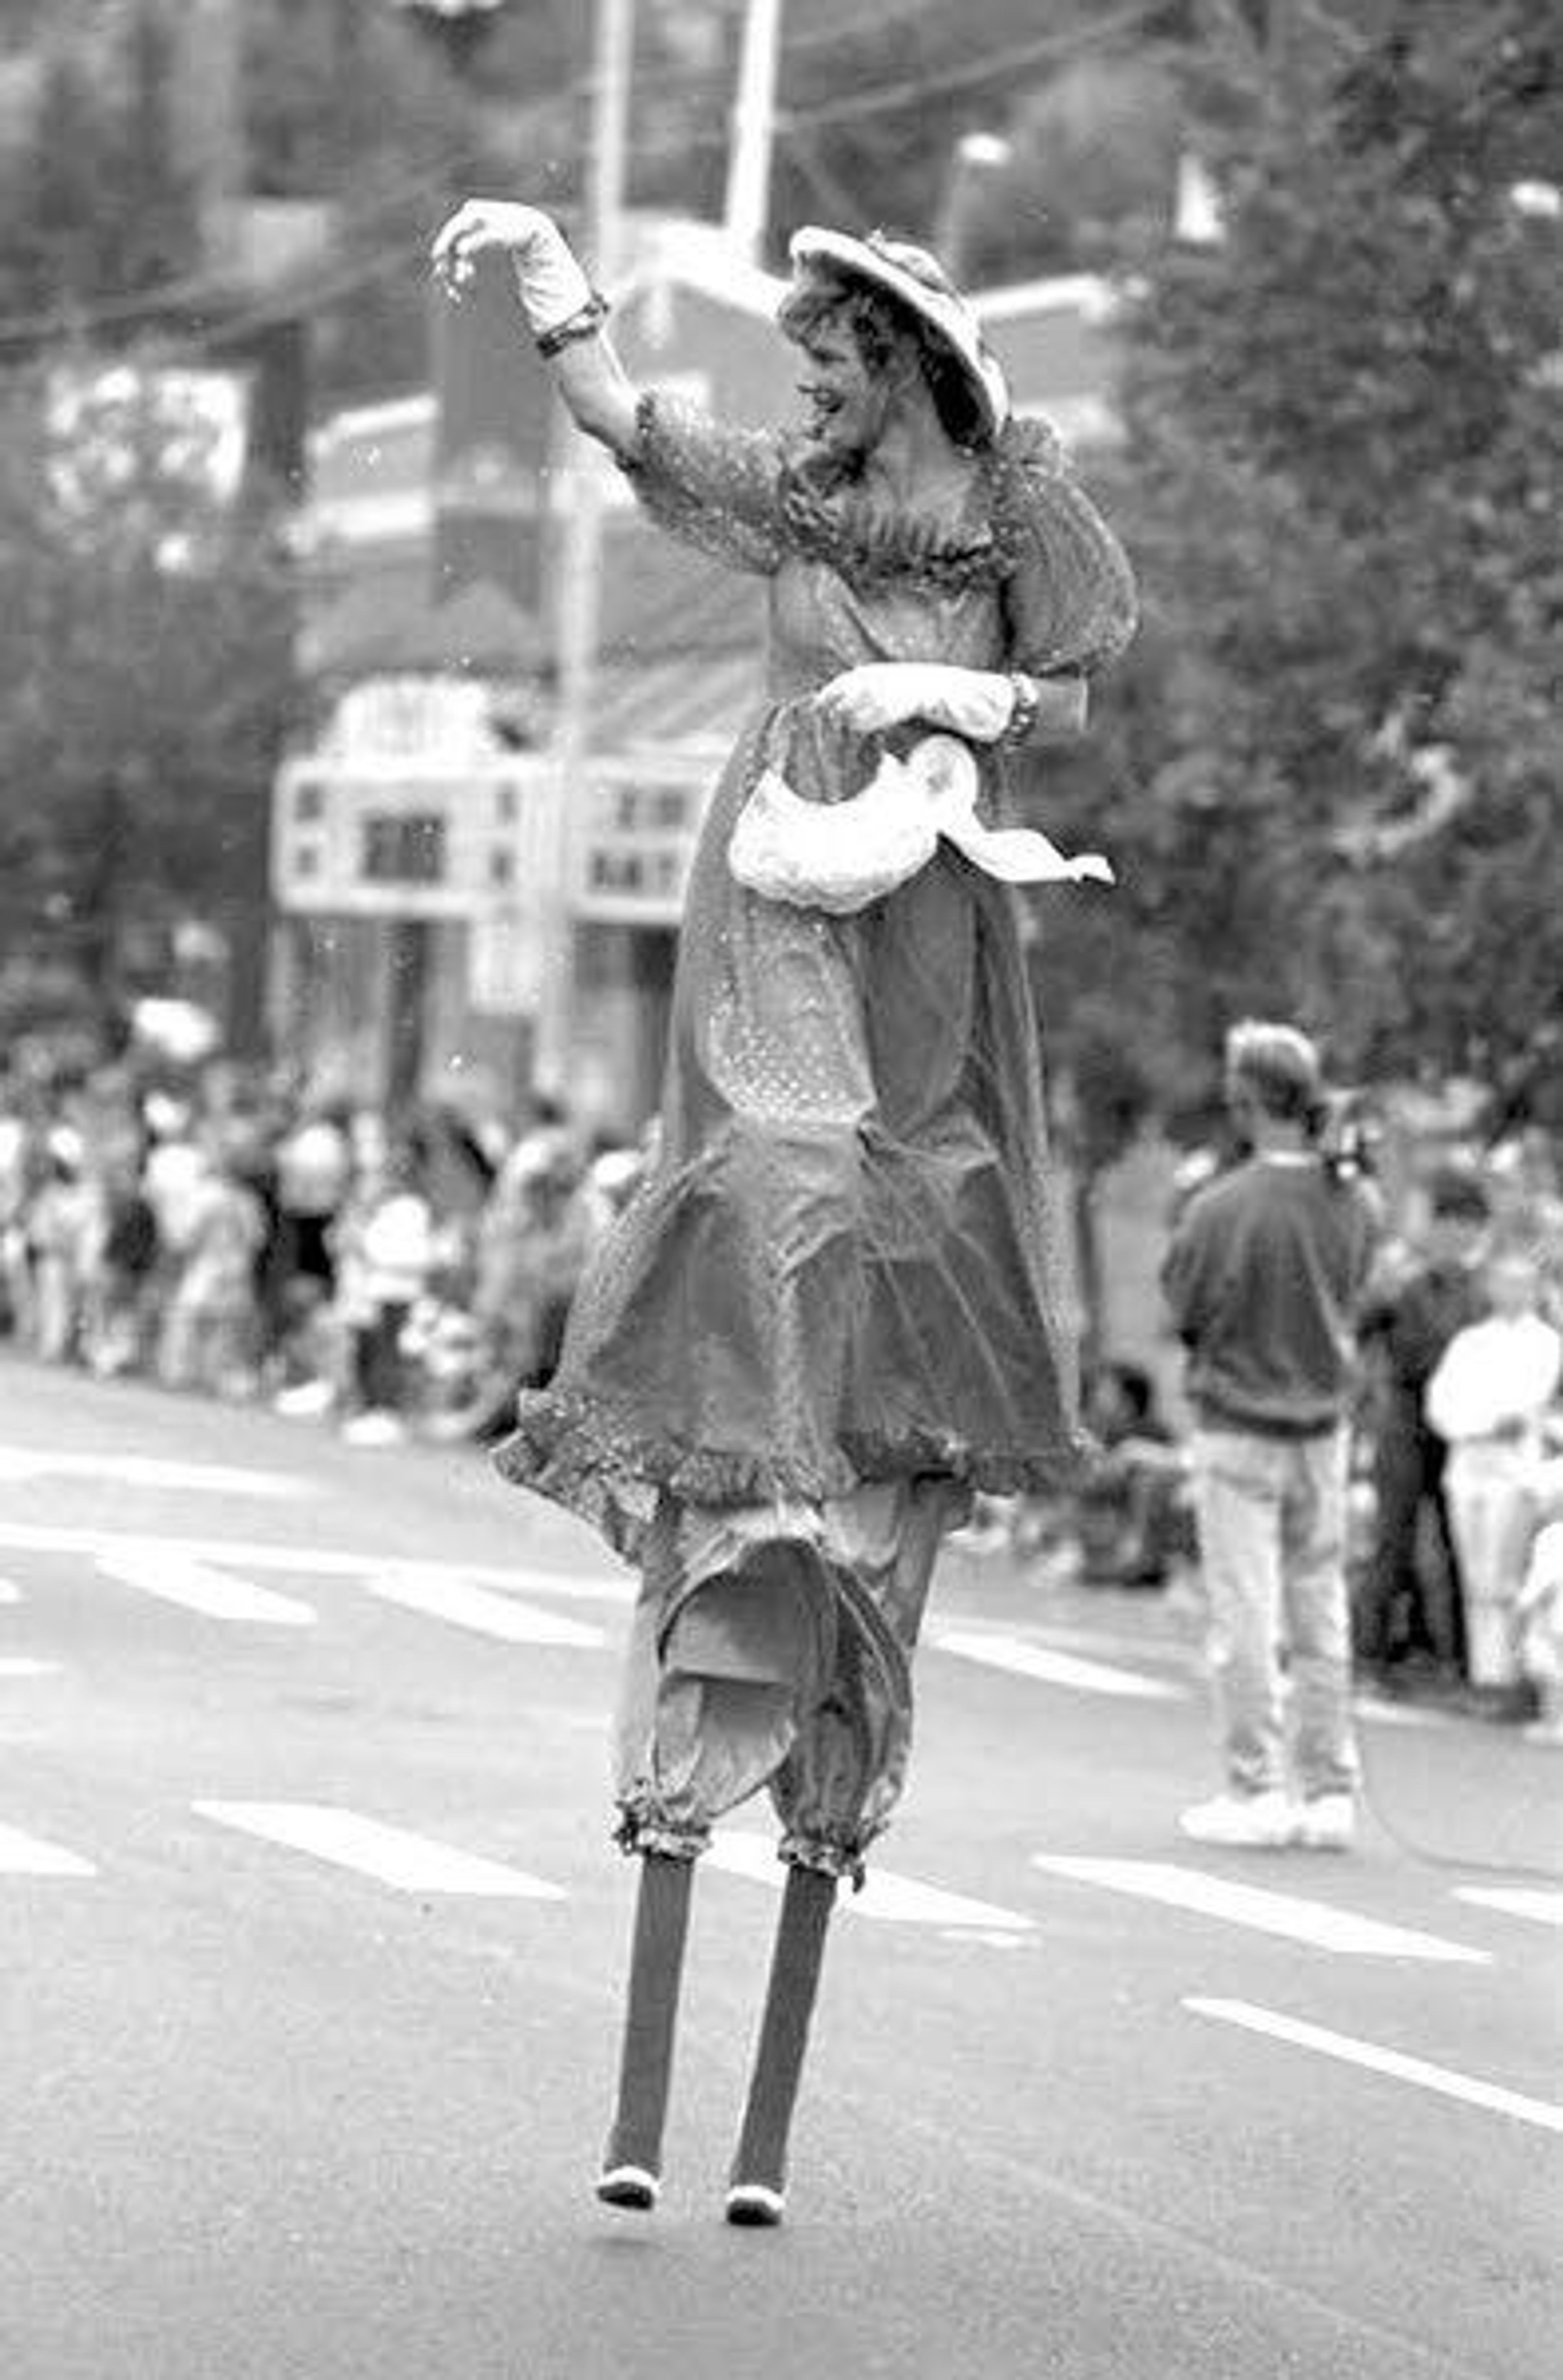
<point x="832" y="1311"/>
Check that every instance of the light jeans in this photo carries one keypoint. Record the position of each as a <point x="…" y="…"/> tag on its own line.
<point x="1491" y="1512"/>
<point x="1272" y="1525"/>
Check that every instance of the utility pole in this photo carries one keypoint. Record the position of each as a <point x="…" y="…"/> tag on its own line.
<point x="581" y="565"/>
<point x="754" y="114"/>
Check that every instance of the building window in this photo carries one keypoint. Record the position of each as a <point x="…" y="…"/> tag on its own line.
<point x="407" y="848"/>
<point x="501" y="866"/>
<point x="504" y="806"/>
<point x="309" y="803"/>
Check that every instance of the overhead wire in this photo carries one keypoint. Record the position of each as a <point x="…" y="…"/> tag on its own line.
<point x="915" y="91"/>
<point x="793" y="125"/>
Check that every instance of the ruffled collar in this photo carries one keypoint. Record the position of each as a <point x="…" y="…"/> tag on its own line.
<point x="830" y="517"/>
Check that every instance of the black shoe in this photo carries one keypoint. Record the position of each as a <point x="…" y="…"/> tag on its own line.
<point x="629" y="2186"/>
<point x="755" y="2206"/>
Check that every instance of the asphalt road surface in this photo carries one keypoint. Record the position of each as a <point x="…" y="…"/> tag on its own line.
<point x="311" y="1944"/>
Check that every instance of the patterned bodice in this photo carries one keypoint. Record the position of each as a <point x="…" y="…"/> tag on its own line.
<point x="1022" y="574"/>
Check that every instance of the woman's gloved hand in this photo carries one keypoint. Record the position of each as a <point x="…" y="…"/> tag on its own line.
<point x="977" y="704"/>
<point x="552" y="285"/>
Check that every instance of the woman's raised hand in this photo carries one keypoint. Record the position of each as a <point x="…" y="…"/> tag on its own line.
<point x="479" y="225"/>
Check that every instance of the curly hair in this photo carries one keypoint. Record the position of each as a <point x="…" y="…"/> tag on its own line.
<point x="825" y="298"/>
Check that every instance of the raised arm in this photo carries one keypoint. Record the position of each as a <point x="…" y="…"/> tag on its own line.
<point x="564" y="312"/>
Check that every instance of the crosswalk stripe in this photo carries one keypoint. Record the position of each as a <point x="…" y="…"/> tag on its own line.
<point x="30" y="1855"/>
<point x="477" y="1607"/>
<point x="1444" y="2079"/>
<point x="310" y="1562"/>
<point x="9" y="1591"/>
<point x="20" y="1463"/>
<point x="1055" y="1669"/>
<point x="1515" y="1901"/>
<point x="198" y="1588"/>
<point x="390" y="1854"/>
<point x="893" y="1900"/>
<point x="1382" y="1713"/>
<point x="1316" y="1923"/>
<point x="23" y="1665"/>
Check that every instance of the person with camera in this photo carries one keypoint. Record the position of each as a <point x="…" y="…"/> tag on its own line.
<point x="1263" y="1275"/>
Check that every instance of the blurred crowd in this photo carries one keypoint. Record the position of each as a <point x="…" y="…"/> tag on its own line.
<point x="388" y="1274"/>
<point x="395" y="1275"/>
<point x="1456" y="1558"/>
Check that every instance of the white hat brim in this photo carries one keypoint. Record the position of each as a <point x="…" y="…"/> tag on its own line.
<point x="947" y="314"/>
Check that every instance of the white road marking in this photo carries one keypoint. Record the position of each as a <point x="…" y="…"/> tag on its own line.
<point x="1055" y="1669"/>
<point x="18" y="1462"/>
<point x="1444" y="2079"/>
<point x="893" y="1900"/>
<point x="1382" y="1713"/>
<point x="1314" y="1922"/>
<point x="1515" y="1901"/>
<point x="488" y="1614"/>
<point x="22" y="1665"/>
<point x="312" y="1561"/>
<point x="214" y="1593"/>
<point x="390" y="1854"/>
<point x="30" y="1855"/>
<point x="9" y="1591"/>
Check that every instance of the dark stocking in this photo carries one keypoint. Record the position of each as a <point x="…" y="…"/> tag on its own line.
<point x="784" y="2032"/>
<point x="662" y="1923"/>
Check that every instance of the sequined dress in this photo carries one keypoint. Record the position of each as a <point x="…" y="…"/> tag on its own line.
<point x="834" y="1308"/>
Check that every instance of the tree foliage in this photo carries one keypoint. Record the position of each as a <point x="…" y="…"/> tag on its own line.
<point x="99" y="120"/>
<point x="145" y="667"/>
<point x="1342" y="485"/>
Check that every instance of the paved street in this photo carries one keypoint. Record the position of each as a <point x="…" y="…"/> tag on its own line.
<point x="313" y="1943"/>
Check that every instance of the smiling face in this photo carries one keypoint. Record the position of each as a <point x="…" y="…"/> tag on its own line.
<point x="845" y="400"/>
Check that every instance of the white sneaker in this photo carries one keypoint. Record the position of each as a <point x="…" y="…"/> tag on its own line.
<point x="310" y="1401"/>
<point x="1328" y="1823"/>
<point x="374" y="1429"/>
<point x="1249" y="1822"/>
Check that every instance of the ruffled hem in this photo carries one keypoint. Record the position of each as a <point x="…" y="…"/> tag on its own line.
<point x="600" y="1463"/>
<point x="642" y="1828"/>
<point x="827" y="1857"/>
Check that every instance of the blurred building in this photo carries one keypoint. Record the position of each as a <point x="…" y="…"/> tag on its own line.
<point x="414" y="867"/>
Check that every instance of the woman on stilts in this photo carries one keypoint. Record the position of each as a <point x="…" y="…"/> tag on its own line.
<point x="832" y="1310"/>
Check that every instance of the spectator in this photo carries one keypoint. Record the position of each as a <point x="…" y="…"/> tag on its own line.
<point x="385" y="1250"/>
<point x="533" y="1244"/>
<point x="211" y="1327"/>
<point x="120" y="1308"/>
<point x="1263" y="1275"/>
<point x="1488" y="1401"/>
<point x="314" y="1171"/>
<point x="1409" y="1611"/>
<point x="1539" y="1612"/>
<point x="1128" y="1517"/>
<point x="59" y="1224"/>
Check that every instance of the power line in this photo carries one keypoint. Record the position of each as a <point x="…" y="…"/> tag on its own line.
<point x="913" y="92"/>
<point x="885" y="20"/>
<point x="794" y="126"/>
<point x="206" y="288"/>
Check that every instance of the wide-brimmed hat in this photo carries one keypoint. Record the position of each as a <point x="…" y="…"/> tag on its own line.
<point x="918" y="282"/>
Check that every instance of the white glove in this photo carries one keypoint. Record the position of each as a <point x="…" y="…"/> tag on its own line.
<point x="840" y="856"/>
<point x="550" y="282"/>
<point x="977" y="704"/>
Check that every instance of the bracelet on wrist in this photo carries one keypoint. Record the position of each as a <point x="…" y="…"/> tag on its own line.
<point x="1028" y="702"/>
<point x="584" y="324"/>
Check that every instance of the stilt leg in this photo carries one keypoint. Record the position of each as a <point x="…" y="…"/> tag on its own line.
<point x="758" y="2174"/>
<point x="632" y="2163"/>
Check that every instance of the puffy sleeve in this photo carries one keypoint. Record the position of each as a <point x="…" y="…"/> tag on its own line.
<point x="1070" y="595"/>
<point x="714" y="486"/>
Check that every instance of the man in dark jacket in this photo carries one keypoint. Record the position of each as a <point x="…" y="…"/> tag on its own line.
<point x="1263" y="1276"/>
<point x="1408" y="1607"/>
